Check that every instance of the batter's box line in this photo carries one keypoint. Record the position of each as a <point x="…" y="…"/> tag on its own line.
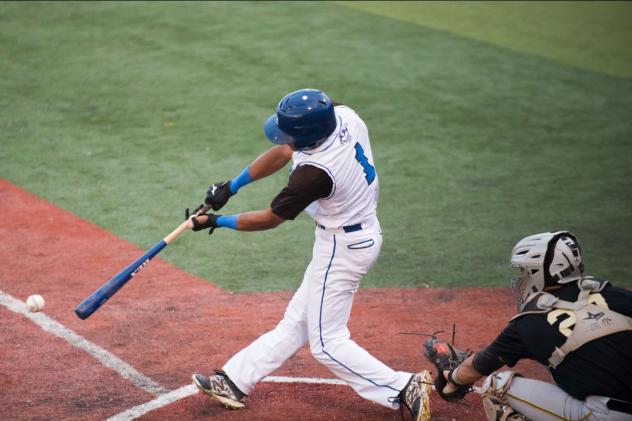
<point x="186" y="391"/>
<point x="102" y="355"/>
<point x="125" y="370"/>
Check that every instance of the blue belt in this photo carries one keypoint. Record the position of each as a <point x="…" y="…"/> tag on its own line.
<point x="348" y="228"/>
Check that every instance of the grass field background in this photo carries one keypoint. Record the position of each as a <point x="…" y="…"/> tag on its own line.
<point x="124" y="113"/>
<point x="593" y="35"/>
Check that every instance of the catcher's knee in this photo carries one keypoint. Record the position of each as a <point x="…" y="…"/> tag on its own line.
<point x="495" y="402"/>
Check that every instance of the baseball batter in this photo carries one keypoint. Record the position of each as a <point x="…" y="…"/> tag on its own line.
<point x="334" y="180"/>
<point x="580" y="327"/>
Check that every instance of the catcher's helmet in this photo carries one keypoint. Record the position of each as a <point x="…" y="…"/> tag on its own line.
<point x="544" y="260"/>
<point x="303" y="119"/>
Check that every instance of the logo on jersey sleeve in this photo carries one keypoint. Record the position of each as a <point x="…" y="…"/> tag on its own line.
<point x="344" y="135"/>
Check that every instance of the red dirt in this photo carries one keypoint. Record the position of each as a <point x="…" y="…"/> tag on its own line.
<point x="168" y="324"/>
<point x="42" y="377"/>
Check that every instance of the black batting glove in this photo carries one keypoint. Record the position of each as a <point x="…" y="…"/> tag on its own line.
<point x="218" y="194"/>
<point x="187" y="214"/>
<point x="206" y="220"/>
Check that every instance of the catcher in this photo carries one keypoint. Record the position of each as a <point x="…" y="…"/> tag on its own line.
<point x="578" y="326"/>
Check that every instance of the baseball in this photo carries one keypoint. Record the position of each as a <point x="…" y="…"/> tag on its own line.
<point x="35" y="303"/>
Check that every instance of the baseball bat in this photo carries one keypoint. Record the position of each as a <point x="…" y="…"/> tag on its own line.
<point x="107" y="290"/>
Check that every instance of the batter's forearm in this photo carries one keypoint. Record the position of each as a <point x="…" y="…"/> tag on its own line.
<point x="266" y="164"/>
<point x="270" y="161"/>
<point x="258" y="220"/>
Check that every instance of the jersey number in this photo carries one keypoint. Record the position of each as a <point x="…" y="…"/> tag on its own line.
<point x="566" y="326"/>
<point x="369" y="170"/>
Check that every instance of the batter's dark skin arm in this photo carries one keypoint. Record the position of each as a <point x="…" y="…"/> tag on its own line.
<point x="258" y="220"/>
<point x="270" y="161"/>
<point x="266" y="164"/>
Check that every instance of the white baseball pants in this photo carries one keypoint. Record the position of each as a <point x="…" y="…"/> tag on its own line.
<point x="318" y="315"/>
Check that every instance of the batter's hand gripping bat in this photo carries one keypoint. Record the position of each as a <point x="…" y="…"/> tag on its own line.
<point x="101" y="295"/>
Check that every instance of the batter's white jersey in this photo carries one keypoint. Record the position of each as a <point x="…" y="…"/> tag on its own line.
<point x="347" y="158"/>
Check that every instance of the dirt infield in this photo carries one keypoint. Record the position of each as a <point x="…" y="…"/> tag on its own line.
<point x="168" y="324"/>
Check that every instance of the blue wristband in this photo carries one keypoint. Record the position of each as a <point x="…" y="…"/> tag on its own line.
<point x="240" y="181"/>
<point x="227" y="221"/>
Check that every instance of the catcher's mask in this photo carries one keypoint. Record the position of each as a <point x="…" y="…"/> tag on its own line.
<point x="544" y="260"/>
<point x="304" y="119"/>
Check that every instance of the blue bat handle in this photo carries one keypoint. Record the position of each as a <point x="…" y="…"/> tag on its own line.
<point x="101" y="295"/>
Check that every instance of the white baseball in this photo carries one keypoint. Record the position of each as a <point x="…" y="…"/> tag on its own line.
<point x="35" y="303"/>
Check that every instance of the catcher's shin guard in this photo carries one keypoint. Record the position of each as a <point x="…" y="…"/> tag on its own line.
<point x="495" y="402"/>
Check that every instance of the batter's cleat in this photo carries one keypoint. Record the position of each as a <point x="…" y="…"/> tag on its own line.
<point x="220" y="388"/>
<point x="416" y="396"/>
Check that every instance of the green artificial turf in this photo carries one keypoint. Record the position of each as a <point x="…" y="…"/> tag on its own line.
<point x="124" y="113"/>
<point x="589" y="34"/>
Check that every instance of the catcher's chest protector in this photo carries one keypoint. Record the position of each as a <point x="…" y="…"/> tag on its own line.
<point x="588" y="318"/>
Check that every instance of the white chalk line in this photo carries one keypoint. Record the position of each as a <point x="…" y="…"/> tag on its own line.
<point x="186" y="391"/>
<point x="159" y="402"/>
<point x="164" y="396"/>
<point x="105" y="357"/>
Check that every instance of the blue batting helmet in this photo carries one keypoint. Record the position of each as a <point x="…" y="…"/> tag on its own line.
<point x="304" y="119"/>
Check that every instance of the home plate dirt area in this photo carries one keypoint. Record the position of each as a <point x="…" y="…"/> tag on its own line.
<point x="135" y="356"/>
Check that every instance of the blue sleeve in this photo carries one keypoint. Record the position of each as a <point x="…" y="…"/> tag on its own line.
<point x="228" y="221"/>
<point x="241" y="180"/>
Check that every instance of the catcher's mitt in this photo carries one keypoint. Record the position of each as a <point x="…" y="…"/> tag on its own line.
<point x="446" y="357"/>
